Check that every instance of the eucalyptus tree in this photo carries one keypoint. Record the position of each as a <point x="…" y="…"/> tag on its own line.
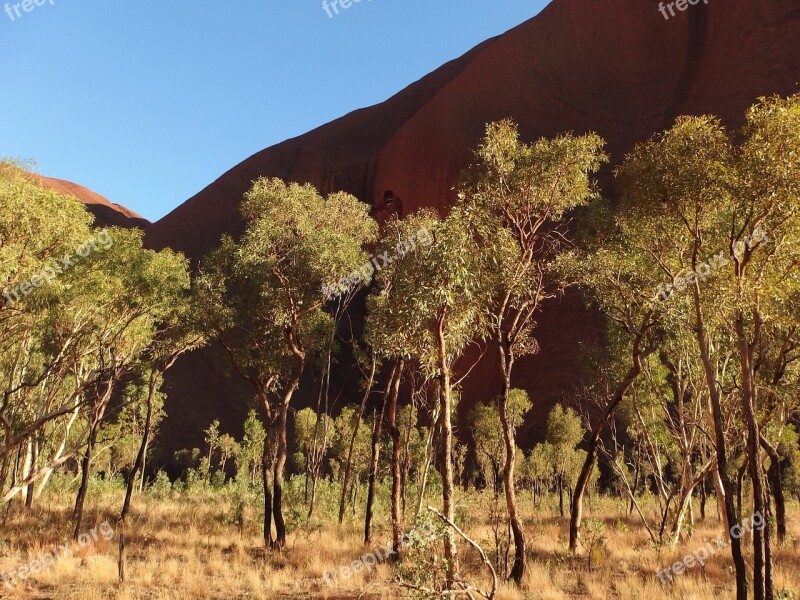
<point x="41" y="387"/>
<point x="130" y="290"/>
<point x="275" y="282"/>
<point x="431" y="304"/>
<point x="237" y="306"/>
<point x="306" y="424"/>
<point x="126" y="427"/>
<point x="178" y="332"/>
<point x="539" y="470"/>
<point x="251" y="449"/>
<point x="726" y="207"/>
<point x="518" y="195"/>
<point x="564" y="433"/>
<point x="619" y="281"/>
<point x="667" y="415"/>
<point x="368" y="372"/>
<point x="351" y="449"/>
<point x="488" y="440"/>
<point x="79" y="305"/>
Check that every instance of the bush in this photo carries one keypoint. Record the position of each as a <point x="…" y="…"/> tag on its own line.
<point x="161" y="486"/>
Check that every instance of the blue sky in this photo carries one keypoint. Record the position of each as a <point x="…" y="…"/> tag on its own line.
<point x="148" y="102"/>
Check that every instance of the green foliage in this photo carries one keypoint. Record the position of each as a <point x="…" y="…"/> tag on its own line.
<point x="488" y="437"/>
<point x="161" y="486"/>
<point x="564" y="429"/>
<point x="594" y="540"/>
<point x="124" y="436"/>
<point x="80" y="309"/>
<point x="343" y="427"/>
<point x="250" y="449"/>
<point x="514" y="198"/>
<point x="440" y="286"/>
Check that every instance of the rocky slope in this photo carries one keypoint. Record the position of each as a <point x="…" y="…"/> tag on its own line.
<point x="106" y="213"/>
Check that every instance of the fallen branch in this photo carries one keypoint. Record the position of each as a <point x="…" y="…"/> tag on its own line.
<point x="467" y="588"/>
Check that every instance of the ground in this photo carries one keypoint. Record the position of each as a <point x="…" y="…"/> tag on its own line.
<point x="192" y="546"/>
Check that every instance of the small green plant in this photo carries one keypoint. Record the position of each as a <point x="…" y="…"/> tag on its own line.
<point x="621" y="526"/>
<point x="238" y="513"/>
<point x="423" y="564"/>
<point x="161" y="487"/>
<point x="594" y="539"/>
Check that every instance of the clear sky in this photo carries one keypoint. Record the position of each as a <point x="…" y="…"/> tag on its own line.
<point x="148" y="102"/>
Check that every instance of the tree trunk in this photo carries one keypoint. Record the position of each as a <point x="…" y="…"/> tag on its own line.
<point x="748" y="397"/>
<point x="86" y="469"/>
<point x="138" y="464"/>
<point x="375" y="459"/>
<point x="776" y="486"/>
<point x="280" y="439"/>
<point x="278" y="472"/>
<point x="267" y="462"/>
<point x="703" y="497"/>
<point x="27" y="469"/>
<point x="348" y="469"/>
<point x="397" y="519"/>
<point x="727" y="488"/>
<point x="509" y="481"/>
<point x="445" y="408"/>
<point x="576" y="512"/>
<point x="98" y="409"/>
<point x="3" y="474"/>
<point x="143" y="470"/>
<point x="33" y="449"/>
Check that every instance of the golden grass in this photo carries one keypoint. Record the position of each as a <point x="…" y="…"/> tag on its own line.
<point x="188" y="549"/>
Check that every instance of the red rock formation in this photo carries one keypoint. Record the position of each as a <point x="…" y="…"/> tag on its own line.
<point x="615" y="67"/>
<point x="106" y="213"/>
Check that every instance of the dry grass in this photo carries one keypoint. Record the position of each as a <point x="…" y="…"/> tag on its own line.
<point x="188" y="548"/>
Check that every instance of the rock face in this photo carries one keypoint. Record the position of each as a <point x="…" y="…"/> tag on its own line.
<point x="106" y="213"/>
<point x="616" y="67"/>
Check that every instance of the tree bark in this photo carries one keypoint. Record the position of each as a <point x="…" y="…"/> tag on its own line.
<point x="266" y="476"/>
<point x="776" y="485"/>
<point x="278" y="471"/>
<point x="509" y="481"/>
<point x="86" y="468"/>
<point x="348" y="469"/>
<point x="376" y="451"/>
<point x="280" y="439"/>
<point x="748" y="397"/>
<point x="138" y="464"/>
<point x="703" y="497"/>
<point x="31" y="462"/>
<point x="576" y="512"/>
<point x="727" y="487"/>
<point x="448" y="487"/>
<point x="98" y="409"/>
<point x="397" y="518"/>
